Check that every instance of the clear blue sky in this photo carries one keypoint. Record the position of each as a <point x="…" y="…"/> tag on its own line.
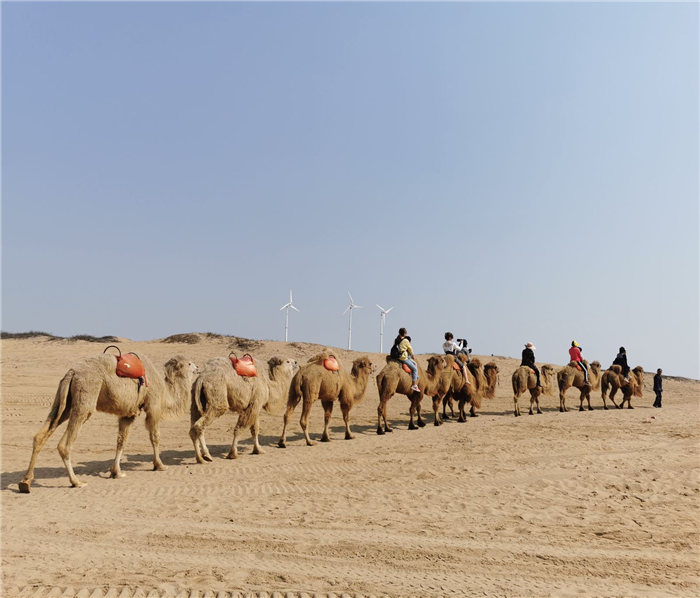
<point x="510" y="172"/>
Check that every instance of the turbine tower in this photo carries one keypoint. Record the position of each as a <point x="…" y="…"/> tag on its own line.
<point x="382" y="315"/>
<point x="351" y="307"/>
<point x="286" y="316"/>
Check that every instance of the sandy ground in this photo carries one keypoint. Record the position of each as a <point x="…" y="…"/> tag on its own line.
<point x="602" y="503"/>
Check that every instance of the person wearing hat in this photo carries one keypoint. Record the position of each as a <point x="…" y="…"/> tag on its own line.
<point x="575" y="355"/>
<point x="621" y="360"/>
<point x="529" y="361"/>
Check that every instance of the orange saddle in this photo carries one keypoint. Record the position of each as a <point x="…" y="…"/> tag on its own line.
<point x="331" y="363"/>
<point x="245" y="366"/>
<point x="129" y="365"/>
<point x="456" y="366"/>
<point x="406" y="368"/>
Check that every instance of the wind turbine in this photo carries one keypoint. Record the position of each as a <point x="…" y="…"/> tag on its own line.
<point x="286" y="316"/>
<point x="351" y="307"/>
<point x="382" y="315"/>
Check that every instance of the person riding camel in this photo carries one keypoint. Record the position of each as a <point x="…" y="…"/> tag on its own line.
<point x="450" y="347"/>
<point x="621" y="360"/>
<point x="406" y="356"/>
<point x="529" y="361"/>
<point x="575" y="355"/>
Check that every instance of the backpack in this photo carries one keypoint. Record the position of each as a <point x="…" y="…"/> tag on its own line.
<point x="395" y="351"/>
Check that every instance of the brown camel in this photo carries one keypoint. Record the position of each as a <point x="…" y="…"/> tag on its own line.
<point x="393" y="379"/>
<point x="484" y="382"/>
<point x="570" y="376"/>
<point x="219" y="389"/>
<point x="313" y="382"/>
<point x="93" y="385"/>
<point x="614" y="379"/>
<point x="524" y="378"/>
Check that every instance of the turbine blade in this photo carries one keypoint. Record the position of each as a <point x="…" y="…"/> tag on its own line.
<point x="380" y="307"/>
<point x="351" y="300"/>
<point x="388" y="310"/>
<point x="358" y="306"/>
<point x="290" y="297"/>
<point x="281" y="308"/>
<point x="346" y="309"/>
<point x="294" y="308"/>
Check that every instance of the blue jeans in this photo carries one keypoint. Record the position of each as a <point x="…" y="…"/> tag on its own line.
<point x="412" y="366"/>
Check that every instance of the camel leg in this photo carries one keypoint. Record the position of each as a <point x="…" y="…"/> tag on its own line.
<point x="122" y="436"/>
<point x="345" y="408"/>
<point x="154" y="433"/>
<point x="420" y="421"/>
<point x="516" y="408"/>
<point x="327" y="412"/>
<point x="629" y="403"/>
<point x="537" y="402"/>
<point x="462" y="414"/>
<point x="562" y="400"/>
<point x="65" y="446"/>
<point x="588" y="399"/>
<point x="436" y="410"/>
<point x="291" y="405"/>
<point x="233" y="451"/>
<point x="41" y="438"/>
<point x="197" y="434"/>
<point x="411" y="413"/>
<point x="472" y="411"/>
<point x="303" y="422"/>
<point x="582" y="396"/>
<point x="382" y="410"/>
<point x="254" y="432"/>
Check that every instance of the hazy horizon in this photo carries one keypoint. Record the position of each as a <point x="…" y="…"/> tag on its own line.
<point x="510" y="172"/>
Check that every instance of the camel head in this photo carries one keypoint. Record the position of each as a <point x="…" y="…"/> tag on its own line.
<point x="362" y="365"/>
<point x="435" y="365"/>
<point x="549" y="378"/>
<point x="180" y="367"/>
<point x="491" y="375"/>
<point x="279" y="366"/>
<point x="594" y="370"/>
<point x="638" y="374"/>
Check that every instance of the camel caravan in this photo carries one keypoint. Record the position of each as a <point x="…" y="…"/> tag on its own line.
<point x="127" y="384"/>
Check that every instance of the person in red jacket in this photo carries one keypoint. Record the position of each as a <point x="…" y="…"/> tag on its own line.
<point x="575" y="355"/>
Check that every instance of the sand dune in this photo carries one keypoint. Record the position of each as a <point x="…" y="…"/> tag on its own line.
<point x="602" y="503"/>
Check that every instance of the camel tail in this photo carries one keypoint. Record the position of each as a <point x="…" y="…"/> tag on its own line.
<point x="604" y="386"/>
<point x="198" y="395"/>
<point x="517" y="390"/>
<point x="60" y="402"/>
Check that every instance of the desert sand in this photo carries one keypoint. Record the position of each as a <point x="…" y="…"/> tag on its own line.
<point x="601" y="503"/>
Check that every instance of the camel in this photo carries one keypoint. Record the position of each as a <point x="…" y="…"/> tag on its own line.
<point x="314" y="382"/>
<point x="393" y="379"/>
<point x="524" y="378"/>
<point x="614" y="379"/>
<point x="570" y="376"/>
<point x="93" y="385"/>
<point x="219" y="389"/>
<point x="483" y="385"/>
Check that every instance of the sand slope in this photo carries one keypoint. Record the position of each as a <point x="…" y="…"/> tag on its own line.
<point x="602" y="503"/>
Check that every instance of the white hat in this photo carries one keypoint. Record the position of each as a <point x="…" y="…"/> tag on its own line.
<point x="531" y="346"/>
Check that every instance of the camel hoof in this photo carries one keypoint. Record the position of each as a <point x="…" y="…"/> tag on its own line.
<point x="325" y="439"/>
<point x="591" y="409"/>
<point x="412" y="427"/>
<point x="630" y="407"/>
<point x="79" y="484"/>
<point x="159" y="467"/>
<point x="388" y="430"/>
<point x="207" y="457"/>
<point x="380" y="431"/>
<point x="232" y="456"/>
<point x="539" y="411"/>
<point x="445" y="416"/>
<point x="516" y="414"/>
<point x="117" y="475"/>
<point x="310" y="443"/>
<point x="24" y="487"/>
<point x="421" y="424"/>
<point x="438" y="422"/>
<point x="581" y="409"/>
<point x="462" y="420"/>
<point x="606" y="408"/>
<point x="349" y="437"/>
<point x="258" y="452"/>
<point x="474" y="415"/>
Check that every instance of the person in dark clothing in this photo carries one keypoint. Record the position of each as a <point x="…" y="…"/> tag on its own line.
<point x="621" y="360"/>
<point x="529" y="361"/>
<point x="658" y="388"/>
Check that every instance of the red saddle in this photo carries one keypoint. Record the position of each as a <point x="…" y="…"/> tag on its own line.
<point x="129" y="365"/>
<point x="245" y="366"/>
<point x="331" y="363"/>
